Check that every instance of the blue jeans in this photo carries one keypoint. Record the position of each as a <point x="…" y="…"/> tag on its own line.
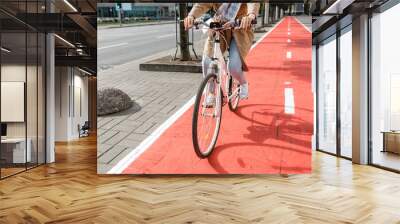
<point x="234" y="63"/>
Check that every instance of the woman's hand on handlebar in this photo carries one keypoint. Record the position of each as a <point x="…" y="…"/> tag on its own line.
<point x="246" y="21"/>
<point x="188" y="22"/>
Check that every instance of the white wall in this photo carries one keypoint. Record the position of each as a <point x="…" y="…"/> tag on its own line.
<point x="79" y="117"/>
<point x="70" y="83"/>
<point x="62" y="81"/>
<point x="14" y="73"/>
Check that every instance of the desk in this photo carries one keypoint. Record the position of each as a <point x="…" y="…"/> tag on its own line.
<point x="13" y="150"/>
<point x="391" y="141"/>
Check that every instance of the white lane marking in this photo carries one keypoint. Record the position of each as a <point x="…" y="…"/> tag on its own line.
<point x="110" y="46"/>
<point x="288" y="33"/>
<point x="145" y="144"/>
<point x="287" y="83"/>
<point x="289" y="40"/>
<point x="289" y="101"/>
<point x="288" y="54"/>
<point x="166" y="36"/>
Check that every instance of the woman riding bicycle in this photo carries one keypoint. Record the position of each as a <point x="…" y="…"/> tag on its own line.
<point x="238" y="40"/>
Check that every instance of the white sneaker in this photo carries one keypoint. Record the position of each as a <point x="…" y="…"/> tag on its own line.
<point x="210" y="101"/>
<point x="244" y="91"/>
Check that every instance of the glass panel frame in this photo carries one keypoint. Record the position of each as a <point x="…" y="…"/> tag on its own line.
<point x="327" y="78"/>
<point x="26" y="57"/>
<point x="13" y="74"/>
<point x="345" y="93"/>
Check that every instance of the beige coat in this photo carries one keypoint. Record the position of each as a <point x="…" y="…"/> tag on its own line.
<point x="243" y="38"/>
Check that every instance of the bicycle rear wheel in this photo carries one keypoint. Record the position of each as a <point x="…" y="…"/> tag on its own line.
<point x="233" y="93"/>
<point x="207" y="116"/>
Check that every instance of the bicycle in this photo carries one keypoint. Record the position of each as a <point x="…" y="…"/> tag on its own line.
<point x="212" y="84"/>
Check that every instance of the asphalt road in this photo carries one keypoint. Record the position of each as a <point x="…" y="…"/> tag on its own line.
<point x="120" y="45"/>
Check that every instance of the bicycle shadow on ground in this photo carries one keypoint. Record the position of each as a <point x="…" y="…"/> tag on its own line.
<point x="282" y="127"/>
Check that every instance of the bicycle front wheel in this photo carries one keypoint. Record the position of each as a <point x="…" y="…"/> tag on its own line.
<point x="207" y="116"/>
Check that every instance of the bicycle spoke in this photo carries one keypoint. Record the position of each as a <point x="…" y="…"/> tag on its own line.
<point x="208" y="117"/>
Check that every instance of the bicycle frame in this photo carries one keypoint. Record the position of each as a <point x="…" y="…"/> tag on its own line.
<point x="218" y="64"/>
<point x="218" y="61"/>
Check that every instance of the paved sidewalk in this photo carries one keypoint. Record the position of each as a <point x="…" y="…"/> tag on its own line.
<point x="158" y="94"/>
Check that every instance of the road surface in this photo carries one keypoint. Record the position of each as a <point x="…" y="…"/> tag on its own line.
<point x="117" y="46"/>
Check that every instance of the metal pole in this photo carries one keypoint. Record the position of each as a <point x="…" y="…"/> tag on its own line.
<point x="176" y="32"/>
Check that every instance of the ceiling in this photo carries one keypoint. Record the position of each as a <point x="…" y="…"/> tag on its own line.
<point x="74" y="22"/>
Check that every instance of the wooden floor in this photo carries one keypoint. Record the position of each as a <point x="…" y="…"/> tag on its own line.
<point x="70" y="191"/>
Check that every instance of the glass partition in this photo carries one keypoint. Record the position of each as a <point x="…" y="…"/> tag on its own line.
<point x="41" y="97"/>
<point x="385" y="89"/>
<point x="31" y="97"/>
<point x="346" y="92"/>
<point x="327" y="95"/>
<point x="22" y="77"/>
<point x="13" y="114"/>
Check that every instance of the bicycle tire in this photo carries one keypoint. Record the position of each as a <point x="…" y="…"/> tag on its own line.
<point x="197" y="107"/>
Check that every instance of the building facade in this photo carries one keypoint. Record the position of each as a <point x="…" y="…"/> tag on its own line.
<point x="140" y="10"/>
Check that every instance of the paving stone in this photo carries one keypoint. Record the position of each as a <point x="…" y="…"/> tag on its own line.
<point x="101" y="121"/>
<point x="120" y="156"/>
<point x="111" y="154"/>
<point x="137" y="137"/>
<point x="136" y="115"/>
<point x="152" y="129"/>
<point x="107" y="135"/>
<point x="147" y="115"/>
<point x="143" y="128"/>
<point x="128" y="143"/>
<point x="112" y="123"/>
<point x="103" y="168"/>
<point x="116" y="138"/>
<point x="154" y="108"/>
<point x="101" y="131"/>
<point x="127" y="125"/>
<point x="102" y="148"/>
<point x="167" y="109"/>
<point x="158" y="118"/>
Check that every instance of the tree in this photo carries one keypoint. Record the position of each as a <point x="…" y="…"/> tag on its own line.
<point x="262" y="9"/>
<point x="183" y="34"/>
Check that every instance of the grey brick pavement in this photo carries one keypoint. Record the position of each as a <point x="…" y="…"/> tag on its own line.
<point x="158" y="95"/>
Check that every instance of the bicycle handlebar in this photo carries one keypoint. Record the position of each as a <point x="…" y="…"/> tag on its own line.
<point x="219" y="25"/>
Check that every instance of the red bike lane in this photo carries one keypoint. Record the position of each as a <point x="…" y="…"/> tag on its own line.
<point x="269" y="133"/>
